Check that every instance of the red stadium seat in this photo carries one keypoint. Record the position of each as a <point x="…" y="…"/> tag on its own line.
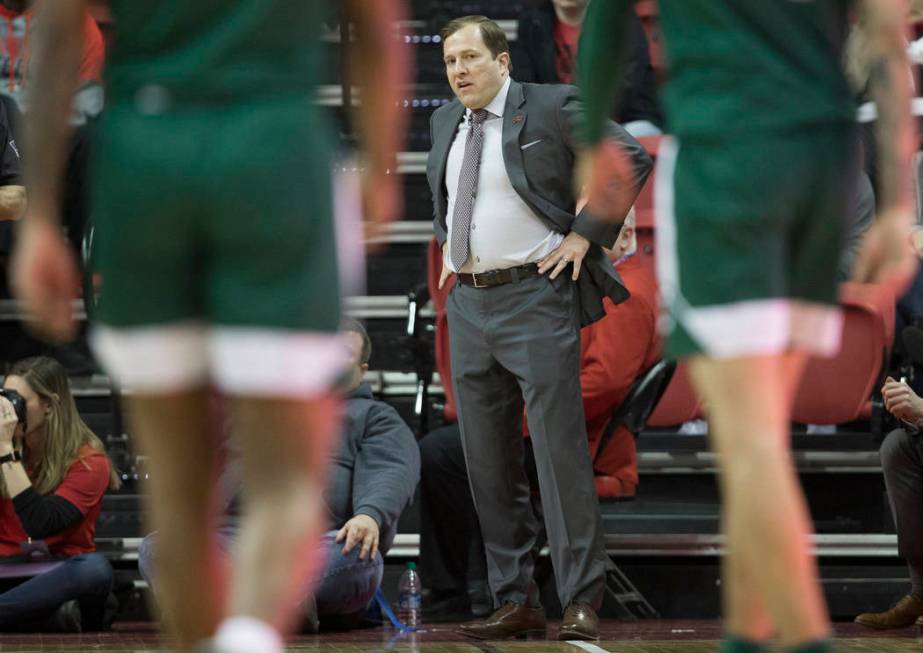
<point x="836" y="390"/>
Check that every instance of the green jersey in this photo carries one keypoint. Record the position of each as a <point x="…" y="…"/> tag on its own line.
<point x="196" y="51"/>
<point x="734" y="66"/>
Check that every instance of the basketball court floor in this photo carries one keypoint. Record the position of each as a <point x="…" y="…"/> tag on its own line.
<point x="617" y="637"/>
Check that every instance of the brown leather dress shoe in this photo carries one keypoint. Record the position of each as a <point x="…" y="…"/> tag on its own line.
<point x="579" y="622"/>
<point x="511" y="620"/>
<point x="904" y="613"/>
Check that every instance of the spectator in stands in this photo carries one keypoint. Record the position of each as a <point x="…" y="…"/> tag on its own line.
<point x="17" y="26"/>
<point x="902" y="464"/>
<point x="54" y="473"/>
<point x="12" y="192"/>
<point x="613" y="352"/>
<point x="372" y="479"/>
<point x="546" y="52"/>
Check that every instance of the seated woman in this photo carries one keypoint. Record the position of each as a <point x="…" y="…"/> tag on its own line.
<point x="53" y="474"/>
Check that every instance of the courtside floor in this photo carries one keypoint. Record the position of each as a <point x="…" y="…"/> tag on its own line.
<point x="617" y="637"/>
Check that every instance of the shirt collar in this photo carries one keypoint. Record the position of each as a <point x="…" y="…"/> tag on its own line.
<point x="496" y="106"/>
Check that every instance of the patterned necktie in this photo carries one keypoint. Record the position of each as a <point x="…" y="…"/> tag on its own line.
<point x="467" y="188"/>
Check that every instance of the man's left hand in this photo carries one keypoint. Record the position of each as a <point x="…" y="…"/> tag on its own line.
<point x="571" y="250"/>
<point x="360" y="529"/>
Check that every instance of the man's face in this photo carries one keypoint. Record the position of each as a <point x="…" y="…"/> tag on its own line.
<point x="569" y="5"/>
<point x="356" y="370"/>
<point x="474" y="74"/>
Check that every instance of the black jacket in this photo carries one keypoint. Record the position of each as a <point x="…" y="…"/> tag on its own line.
<point x="534" y="61"/>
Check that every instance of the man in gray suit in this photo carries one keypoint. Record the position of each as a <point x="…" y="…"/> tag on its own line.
<point x="500" y="171"/>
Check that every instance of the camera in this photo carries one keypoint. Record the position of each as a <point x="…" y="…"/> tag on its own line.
<point x="19" y="404"/>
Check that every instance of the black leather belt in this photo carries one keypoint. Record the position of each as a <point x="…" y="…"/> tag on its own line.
<point x="498" y="277"/>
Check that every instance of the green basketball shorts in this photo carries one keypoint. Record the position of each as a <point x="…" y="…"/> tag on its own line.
<point x="214" y="240"/>
<point x="749" y="236"/>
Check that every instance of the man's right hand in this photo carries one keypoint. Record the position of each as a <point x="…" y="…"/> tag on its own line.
<point x="901" y="401"/>
<point x="446" y="272"/>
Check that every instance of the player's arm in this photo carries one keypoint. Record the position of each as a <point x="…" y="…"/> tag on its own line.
<point x="380" y="66"/>
<point x="56" y="54"/>
<point x="600" y="63"/>
<point x="885" y="255"/>
<point x="44" y="269"/>
<point x="600" y="60"/>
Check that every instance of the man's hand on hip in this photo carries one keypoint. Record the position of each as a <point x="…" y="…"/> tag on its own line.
<point x="446" y="272"/>
<point x="361" y="529"/>
<point x="572" y="250"/>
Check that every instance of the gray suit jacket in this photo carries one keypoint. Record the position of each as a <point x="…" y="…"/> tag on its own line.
<point x="542" y="176"/>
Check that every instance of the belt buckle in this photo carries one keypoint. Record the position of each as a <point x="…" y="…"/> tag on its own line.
<point x="474" y="278"/>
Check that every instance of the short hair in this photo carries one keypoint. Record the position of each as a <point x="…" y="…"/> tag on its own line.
<point x="494" y="37"/>
<point x="352" y="325"/>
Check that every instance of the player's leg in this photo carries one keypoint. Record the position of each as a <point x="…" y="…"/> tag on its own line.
<point x="170" y="430"/>
<point x="273" y="294"/>
<point x="767" y="521"/>
<point x="744" y="610"/>
<point x="284" y="447"/>
<point x="150" y="338"/>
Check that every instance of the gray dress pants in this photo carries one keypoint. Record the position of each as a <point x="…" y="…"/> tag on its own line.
<point x="510" y="344"/>
<point x="902" y="465"/>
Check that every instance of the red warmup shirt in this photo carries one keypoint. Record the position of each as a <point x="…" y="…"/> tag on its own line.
<point x="614" y="351"/>
<point x="84" y="484"/>
<point x="566" y="38"/>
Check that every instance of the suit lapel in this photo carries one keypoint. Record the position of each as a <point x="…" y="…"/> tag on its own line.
<point x="442" y="143"/>
<point x="514" y="119"/>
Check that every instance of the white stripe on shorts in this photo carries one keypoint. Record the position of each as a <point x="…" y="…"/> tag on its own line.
<point x="241" y="361"/>
<point x="745" y="328"/>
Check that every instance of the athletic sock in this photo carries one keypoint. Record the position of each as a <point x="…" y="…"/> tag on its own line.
<point x="819" y="646"/>
<point x="732" y="644"/>
<point x="247" y="635"/>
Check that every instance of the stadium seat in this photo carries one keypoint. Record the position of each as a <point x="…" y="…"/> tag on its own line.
<point x="837" y="390"/>
<point x="679" y="403"/>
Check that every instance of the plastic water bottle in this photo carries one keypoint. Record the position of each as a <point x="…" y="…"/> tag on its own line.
<point x="410" y="598"/>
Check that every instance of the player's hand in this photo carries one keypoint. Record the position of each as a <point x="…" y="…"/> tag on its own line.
<point x="382" y="200"/>
<point x="45" y="277"/>
<point x="901" y="401"/>
<point x="603" y="175"/>
<point x="571" y="250"/>
<point x="887" y="255"/>
<point x="360" y="529"/>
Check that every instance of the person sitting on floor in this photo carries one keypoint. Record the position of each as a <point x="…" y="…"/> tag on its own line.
<point x="902" y="464"/>
<point x="54" y="473"/>
<point x="372" y="478"/>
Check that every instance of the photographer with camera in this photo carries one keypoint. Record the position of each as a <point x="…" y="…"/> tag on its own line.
<point x="53" y="474"/>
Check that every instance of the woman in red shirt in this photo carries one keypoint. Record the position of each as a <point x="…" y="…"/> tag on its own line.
<point x="53" y="474"/>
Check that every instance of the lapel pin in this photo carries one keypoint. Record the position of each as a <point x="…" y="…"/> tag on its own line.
<point x="517" y="118"/>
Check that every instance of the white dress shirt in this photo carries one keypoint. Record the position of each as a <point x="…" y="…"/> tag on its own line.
<point x="504" y="230"/>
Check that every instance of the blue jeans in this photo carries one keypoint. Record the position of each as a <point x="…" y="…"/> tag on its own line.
<point x="346" y="586"/>
<point x="86" y="578"/>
